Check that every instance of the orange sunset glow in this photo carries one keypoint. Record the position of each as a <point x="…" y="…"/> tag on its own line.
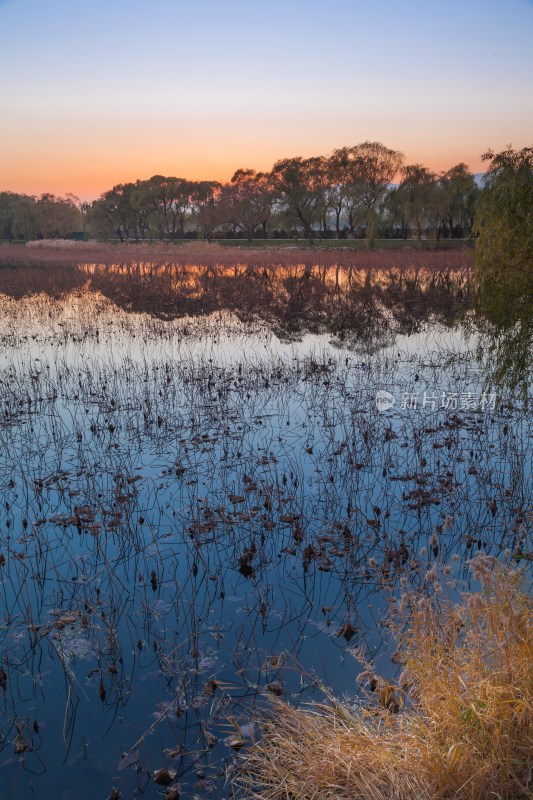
<point x="85" y="106"/>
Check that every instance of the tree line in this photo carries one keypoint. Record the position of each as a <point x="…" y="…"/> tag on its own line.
<point x="46" y="217"/>
<point x="349" y="193"/>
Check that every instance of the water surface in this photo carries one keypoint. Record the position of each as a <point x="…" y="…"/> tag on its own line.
<point x="201" y="509"/>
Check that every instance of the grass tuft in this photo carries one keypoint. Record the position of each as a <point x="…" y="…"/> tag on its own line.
<point x="458" y="723"/>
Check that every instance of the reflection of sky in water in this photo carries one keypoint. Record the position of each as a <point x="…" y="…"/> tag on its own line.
<point x="173" y="475"/>
<point x="97" y="328"/>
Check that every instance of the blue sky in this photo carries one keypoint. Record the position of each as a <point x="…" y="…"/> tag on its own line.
<point x="96" y="93"/>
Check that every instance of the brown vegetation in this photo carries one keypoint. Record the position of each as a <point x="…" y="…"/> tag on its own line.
<point x="458" y="722"/>
<point x="292" y="291"/>
<point x="205" y="254"/>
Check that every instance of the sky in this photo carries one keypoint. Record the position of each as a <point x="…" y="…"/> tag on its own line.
<point x="108" y="91"/>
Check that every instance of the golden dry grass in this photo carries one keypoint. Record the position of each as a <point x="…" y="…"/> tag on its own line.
<point x="465" y="725"/>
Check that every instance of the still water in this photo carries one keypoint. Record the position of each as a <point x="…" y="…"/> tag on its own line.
<point x="199" y="512"/>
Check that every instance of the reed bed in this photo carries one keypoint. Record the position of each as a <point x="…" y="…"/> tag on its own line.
<point x="457" y="723"/>
<point x="206" y="254"/>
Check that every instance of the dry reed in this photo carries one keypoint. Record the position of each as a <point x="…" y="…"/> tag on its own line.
<point x="206" y="254"/>
<point x="463" y="726"/>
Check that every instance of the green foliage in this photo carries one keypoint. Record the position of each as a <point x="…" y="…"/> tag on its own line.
<point x="504" y="266"/>
<point x="459" y="192"/>
<point x="504" y="227"/>
<point x="416" y="195"/>
<point x="47" y="217"/>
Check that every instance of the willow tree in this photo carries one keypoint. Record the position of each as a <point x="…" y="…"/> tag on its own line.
<point x="504" y="228"/>
<point x="459" y="192"/>
<point x="114" y="213"/>
<point x="375" y="167"/>
<point x="246" y="202"/>
<point x="347" y="188"/>
<point x="58" y="216"/>
<point x="504" y="263"/>
<point x="166" y="202"/>
<point x="299" y="183"/>
<point x="416" y="193"/>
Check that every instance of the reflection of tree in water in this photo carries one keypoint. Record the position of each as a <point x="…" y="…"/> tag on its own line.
<point x="507" y="352"/>
<point x="348" y="301"/>
<point x="293" y="300"/>
<point x="24" y="281"/>
<point x="359" y="307"/>
<point x="184" y="527"/>
<point x="504" y="320"/>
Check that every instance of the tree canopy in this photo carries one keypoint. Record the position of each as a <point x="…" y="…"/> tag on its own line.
<point x="504" y="228"/>
<point x="504" y="266"/>
<point x="348" y="193"/>
<point x="48" y="217"/>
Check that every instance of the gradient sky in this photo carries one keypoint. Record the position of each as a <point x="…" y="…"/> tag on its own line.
<point x="101" y="92"/>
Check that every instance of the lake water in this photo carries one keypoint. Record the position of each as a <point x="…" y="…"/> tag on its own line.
<point x="203" y="510"/>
